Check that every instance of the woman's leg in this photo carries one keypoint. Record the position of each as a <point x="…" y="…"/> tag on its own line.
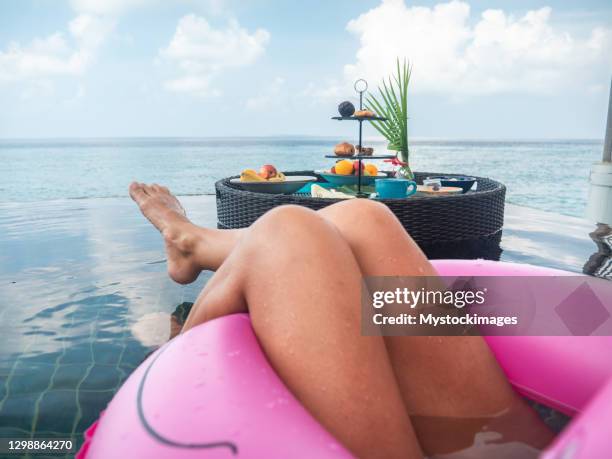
<point x="302" y="298"/>
<point x="442" y="380"/>
<point x="452" y="386"/>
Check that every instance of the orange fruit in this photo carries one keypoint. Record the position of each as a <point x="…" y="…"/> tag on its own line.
<point x="371" y="169"/>
<point x="344" y="167"/>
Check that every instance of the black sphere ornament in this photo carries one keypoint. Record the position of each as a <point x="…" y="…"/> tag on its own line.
<point x="346" y="108"/>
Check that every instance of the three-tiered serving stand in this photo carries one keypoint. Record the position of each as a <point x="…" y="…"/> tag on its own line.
<point x="361" y="86"/>
<point x="449" y="226"/>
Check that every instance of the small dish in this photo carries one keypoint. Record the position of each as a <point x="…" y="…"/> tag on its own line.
<point x="463" y="182"/>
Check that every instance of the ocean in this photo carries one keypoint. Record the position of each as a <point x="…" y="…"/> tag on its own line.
<point x="548" y="175"/>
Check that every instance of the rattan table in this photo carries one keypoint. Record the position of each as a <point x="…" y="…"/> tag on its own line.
<point x="465" y="225"/>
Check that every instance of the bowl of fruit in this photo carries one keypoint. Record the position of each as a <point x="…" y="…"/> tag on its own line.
<point x="346" y="172"/>
<point x="269" y="180"/>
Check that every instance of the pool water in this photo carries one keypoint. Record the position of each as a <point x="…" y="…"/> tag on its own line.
<point x="85" y="297"/>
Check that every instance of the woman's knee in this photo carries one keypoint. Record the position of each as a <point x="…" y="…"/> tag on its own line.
<point x="287" y="217"/>
<point x="364" y="217"/>
<point x="368" y="209"/>
<point x="288" y="212"/>
<point x="294" y="226"/>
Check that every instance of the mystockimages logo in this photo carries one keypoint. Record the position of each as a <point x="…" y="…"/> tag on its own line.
<point x="488" y="305"/>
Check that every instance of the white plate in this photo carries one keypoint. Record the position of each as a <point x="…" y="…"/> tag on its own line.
<point x="291" y="184"/>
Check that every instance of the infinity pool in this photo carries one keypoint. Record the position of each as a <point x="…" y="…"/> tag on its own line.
<point x="85" y="297"/>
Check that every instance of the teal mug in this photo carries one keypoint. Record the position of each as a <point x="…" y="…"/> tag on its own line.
<point x="395" y="188"/>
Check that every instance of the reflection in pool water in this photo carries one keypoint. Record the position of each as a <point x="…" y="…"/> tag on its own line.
<point x="85" y="298"/>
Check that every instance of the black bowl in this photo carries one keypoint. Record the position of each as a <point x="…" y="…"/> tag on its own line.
<point x="463" y="182"/>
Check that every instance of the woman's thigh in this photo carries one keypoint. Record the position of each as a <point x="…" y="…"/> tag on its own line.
<point x="452" y="386"/>
<point x="301" y="284"/>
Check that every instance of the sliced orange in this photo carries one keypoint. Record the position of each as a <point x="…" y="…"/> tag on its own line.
<point x="371" y="169"/>
<point x="344" y="167"/>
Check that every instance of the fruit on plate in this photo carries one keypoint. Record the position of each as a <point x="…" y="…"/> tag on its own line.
<point x="371" y="169"/>
<point x="356" y="168"/>
<point x="347" y="167"/>
<point x="364" y="114"/>
<point x="249" y="175"/>
<point x="344" y="167"/>
<point x="267" y="173"/>
<point x="346" y="108"/>
<point x="344" y="149"/>
<point x="279" y="177"/>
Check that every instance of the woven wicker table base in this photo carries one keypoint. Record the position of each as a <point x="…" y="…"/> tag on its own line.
<point x="453" y="226"/>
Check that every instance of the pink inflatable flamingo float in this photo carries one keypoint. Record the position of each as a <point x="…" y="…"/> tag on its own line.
<point x="232" y="403"/>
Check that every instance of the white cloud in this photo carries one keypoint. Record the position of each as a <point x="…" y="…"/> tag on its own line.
<point x="57" y="54"/>
<point x="496" y="52"/>
<point x="202" y="52"/>
<point x="68" y="52"/>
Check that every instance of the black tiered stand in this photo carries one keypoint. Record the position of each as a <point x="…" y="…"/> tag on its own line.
<point x="361" y="120"/>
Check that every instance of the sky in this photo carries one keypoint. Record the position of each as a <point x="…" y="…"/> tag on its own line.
<point x="190" y="68"/>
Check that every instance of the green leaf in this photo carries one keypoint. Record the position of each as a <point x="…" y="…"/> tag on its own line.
<point x="392" y="103"/>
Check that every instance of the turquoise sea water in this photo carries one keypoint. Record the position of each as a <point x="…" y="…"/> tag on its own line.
<point x="549" y="175"/>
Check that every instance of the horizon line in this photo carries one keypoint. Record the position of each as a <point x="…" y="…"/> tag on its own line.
<point x="298" y="136"/>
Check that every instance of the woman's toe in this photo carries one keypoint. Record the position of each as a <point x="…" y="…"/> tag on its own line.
<point x="137" y="192"/>
<point x="148" y="189"/>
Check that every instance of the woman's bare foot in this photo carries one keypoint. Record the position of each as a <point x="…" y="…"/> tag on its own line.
<point x="181" y="236"/>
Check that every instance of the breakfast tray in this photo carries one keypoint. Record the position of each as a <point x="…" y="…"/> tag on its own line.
<point x="465" y="225"/>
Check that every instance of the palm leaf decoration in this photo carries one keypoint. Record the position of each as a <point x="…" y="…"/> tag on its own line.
<point x="392" y="103"/>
